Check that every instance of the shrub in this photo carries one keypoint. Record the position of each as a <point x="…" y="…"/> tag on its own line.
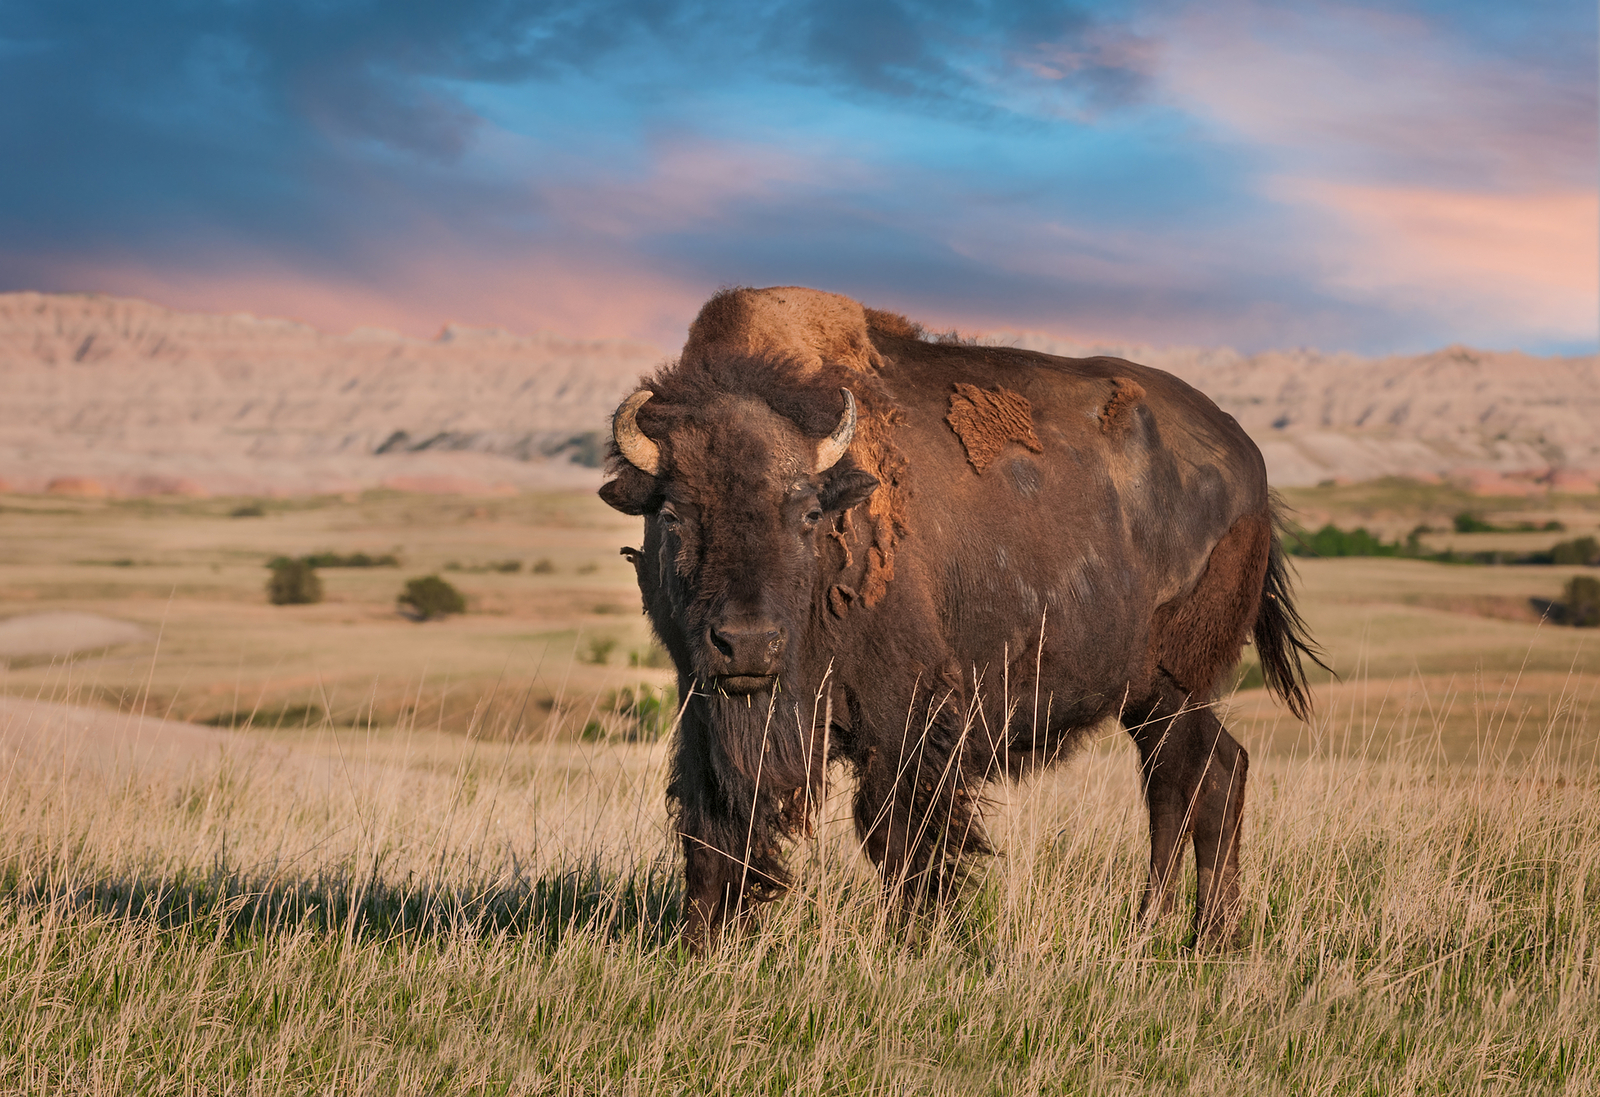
<point x="430" y="597"/>
<point x="653" y="655"/>
<point x="1471" y="523"/>
<point x="641" y="715"/>
<point x="1581" y="602"/>
<point x="600" y="649"/>
<point x="1330" y="540"/>
<point x="248" y="510"/>
<point x="353" y="560"/>
<point x="544" y="567"/>
<point x="1581" y="550"/>
<point x="293" y="583"/>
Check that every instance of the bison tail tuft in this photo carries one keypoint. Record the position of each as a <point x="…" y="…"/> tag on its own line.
<point x="1281" y="636"/>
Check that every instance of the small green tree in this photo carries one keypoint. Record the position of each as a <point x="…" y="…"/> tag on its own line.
<point x="1581" y="602"/>
<point x="430" y="597"/>
<point x="293" y="583"/>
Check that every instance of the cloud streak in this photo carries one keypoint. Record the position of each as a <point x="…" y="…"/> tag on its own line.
<point x="1331" y="174"/>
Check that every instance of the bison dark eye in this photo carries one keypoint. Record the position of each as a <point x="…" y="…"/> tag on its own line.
<point x="813" y="518"/>
<point x="669" y="518"/>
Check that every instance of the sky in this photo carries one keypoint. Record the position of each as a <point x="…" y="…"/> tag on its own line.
<point x="1382" y="178"/>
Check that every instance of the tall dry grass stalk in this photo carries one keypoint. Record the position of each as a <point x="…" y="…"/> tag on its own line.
<point x="351" y="912"/>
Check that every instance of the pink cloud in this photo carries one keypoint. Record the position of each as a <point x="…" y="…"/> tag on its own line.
<point x="416" y="294"/>
<point x="1360" y="94"/>
<point x="1429" y="176"/>
<point x="1520" y="260"/>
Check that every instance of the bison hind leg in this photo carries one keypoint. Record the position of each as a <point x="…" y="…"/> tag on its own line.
<point x="1194" y="776"/>
<point x="1197" y="639"/>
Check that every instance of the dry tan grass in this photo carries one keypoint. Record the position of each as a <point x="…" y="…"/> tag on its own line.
<point x="196" y="579"/>
<point x="401" y="910"/>
<point x="391" y="907"/>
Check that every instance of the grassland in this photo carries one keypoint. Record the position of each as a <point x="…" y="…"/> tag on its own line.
<point x="387" y="903"/>
<point x="563" y="629"/>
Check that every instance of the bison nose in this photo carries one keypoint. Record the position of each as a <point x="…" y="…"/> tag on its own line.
<point x="747" y="648"/>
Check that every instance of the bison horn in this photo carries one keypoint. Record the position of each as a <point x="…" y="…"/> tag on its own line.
<point x="639" y="451"/>
<point x="831" y="448"/>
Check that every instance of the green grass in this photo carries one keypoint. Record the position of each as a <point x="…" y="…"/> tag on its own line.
<point x="380" y="913"/>
<point x="435" y="858"/>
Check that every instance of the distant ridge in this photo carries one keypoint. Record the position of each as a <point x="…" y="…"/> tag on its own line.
<point x="1498" y="421"/>
<point x="107" y="395"/>
<point x="139" y="398"/>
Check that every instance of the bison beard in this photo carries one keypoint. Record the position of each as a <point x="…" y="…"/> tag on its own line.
<point x="1121" y="508"/>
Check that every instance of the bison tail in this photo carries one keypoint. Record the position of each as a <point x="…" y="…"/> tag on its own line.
<point x="1281" y="636"/>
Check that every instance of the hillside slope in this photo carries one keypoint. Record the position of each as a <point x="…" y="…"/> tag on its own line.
<point x="138" y="397"/>
<point x="117" y="395"/>
<point x="1475" y="415"/>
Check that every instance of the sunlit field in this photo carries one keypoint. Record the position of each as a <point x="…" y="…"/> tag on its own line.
<point x="476" y="892"/>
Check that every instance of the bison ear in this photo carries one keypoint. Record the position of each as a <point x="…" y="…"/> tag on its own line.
<point x="846" y="488"/>
<point x="631" y="492"/>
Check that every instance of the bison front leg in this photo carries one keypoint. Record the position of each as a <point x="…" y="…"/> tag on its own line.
<point x="1194" y="780"/>
<point x="711" y="881"/>
<point x="733" y="821"/>
<point x="916" y="817"/>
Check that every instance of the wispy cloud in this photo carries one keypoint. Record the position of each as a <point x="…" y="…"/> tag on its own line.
<point x="1431" y="174"/>
<point x="1160" y="169"/>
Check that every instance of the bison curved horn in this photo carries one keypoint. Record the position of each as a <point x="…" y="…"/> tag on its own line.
<point x="831" y="448"/>
<point x="639" y="451"/>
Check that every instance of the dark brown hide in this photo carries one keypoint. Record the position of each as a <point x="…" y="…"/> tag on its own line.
<point x="1108" y="553"/>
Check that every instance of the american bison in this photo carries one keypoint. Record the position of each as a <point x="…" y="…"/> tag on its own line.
<point x="864" y="545"/>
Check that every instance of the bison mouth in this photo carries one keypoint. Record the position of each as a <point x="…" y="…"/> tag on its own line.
<point x="746" y="683"/>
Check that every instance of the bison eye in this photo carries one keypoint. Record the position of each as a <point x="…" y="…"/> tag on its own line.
<point x="669" y="518"/>
<point x="813" y="517"/>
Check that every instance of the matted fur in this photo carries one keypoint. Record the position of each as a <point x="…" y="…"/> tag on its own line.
<point x="807" y="326"/>
<point x="1118" y="412"/>
<point x="986" y="421"/>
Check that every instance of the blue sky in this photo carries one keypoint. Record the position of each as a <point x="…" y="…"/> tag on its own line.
<point x="1384" y="178"/>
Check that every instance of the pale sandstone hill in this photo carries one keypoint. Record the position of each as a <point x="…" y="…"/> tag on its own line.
<point x="1477" y="415"/>
<point x="108" y="394"/>
<point x="139" y="397"/>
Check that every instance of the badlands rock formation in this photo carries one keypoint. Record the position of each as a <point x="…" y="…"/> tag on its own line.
<point x="129" y="397"/>
<point x="1500" y="421"/>
<point x="106" y="395"/>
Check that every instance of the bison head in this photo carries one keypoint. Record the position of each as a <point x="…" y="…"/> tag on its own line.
<point x="736" y="498"/>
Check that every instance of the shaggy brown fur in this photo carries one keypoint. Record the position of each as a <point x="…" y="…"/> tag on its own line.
<point x="865" y="613"/>
<point x="986" y="421"/>
<point x="807" y="326"/>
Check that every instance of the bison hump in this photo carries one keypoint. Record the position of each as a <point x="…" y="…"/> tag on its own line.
<point x="986" y="420"/>
<point x="804" y="325"/>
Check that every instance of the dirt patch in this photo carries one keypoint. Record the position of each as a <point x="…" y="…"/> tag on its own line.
<point x="40" y="635"/>
<point x="1501" y="607"/>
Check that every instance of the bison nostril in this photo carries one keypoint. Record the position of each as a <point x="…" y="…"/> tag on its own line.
<point x="746" y="647"/>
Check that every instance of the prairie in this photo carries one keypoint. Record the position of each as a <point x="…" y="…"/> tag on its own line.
<point x="422" y="857"/>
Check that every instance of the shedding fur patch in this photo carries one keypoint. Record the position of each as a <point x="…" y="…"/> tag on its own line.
<point x="986" y="420"/>
<point x="839" y="598"/>
<point x="1118" y="411"/>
